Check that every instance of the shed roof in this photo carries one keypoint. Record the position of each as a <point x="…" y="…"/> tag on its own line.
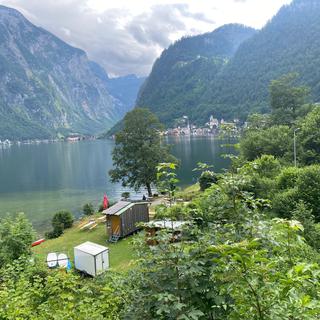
<point x="121" y="206"/>
<point x="116" y="207"/>
<point x="91" y="248"/>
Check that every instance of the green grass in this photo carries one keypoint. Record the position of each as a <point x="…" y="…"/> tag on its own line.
<point x="121" y="254"/>
<point x="189" y="193"/>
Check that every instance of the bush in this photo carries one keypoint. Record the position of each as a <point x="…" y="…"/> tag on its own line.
<point x="88" y="209"/>
<point x="16" y="237"/>
<point x="60" y="221"/>
<point x="311" y="230"/>
<point x="308" y="184"/>
<point x="63" y="218"/>
<point x="285" y="202"/>
<point x="56" y="232"/>
<point x="125" y="195"/>
<point x="288" y="178"/>
<point x="206" y="179"/>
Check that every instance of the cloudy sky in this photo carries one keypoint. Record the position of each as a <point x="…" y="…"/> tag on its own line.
<point x="126" y="36"/>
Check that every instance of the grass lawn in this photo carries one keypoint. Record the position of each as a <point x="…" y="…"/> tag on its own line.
<point x="121" y="254"/>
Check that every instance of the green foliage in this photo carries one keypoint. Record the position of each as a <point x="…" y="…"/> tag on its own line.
<point x="257" y="121"/>
<point x="138" y="150"/>
<point x="60" y="221"/>
<point x="286" y="99"/>
<point x="261" y="175"/>
<point x="309" y="137"/>
<point x="276" y="141"/>
<point x="296" y="185"/>
<point x="308" y="185"/>
<point x="16" y="237"/>
<point x="125" y="195"/>
<point x="30" y="292"/>
<point x="206" y="179"/>
<point x="284" y="202"/>
<point x="288" y="177"/>
<point x="310" y="231"/>
<point x="167" y="179"/>
<point x="88" y="209"/>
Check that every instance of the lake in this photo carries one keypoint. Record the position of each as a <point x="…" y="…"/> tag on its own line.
<point x="40" y="179"/>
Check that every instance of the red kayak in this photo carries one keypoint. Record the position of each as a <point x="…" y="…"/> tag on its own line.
<point x="36" y="243"/>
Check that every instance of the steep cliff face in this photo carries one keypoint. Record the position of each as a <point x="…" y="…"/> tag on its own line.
<point x="48" y="87"/>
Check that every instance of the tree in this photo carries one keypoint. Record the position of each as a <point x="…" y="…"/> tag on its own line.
<point x="88" y="209"/>
<point x="309" y="137"/>
<point x="138" y="150"/>
<point x="276" y="141"/>
<point x="167" y="179"/>
<point x="16" y="237"/>
<point x="60" y="221"/>
<point x="207" y="177"/>
<point x="287" y="99"/>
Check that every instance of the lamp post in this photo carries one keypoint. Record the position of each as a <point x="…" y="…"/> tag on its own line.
<point x="295" y="146"/>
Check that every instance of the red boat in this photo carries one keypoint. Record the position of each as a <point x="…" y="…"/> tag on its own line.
<point x="36" y="243"/>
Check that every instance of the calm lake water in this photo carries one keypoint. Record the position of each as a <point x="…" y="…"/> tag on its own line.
<point x="44" y="178"/>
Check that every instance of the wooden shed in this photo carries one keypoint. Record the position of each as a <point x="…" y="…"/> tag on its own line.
<point x="122" y="219"/>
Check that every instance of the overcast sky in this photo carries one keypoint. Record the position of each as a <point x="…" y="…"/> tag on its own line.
<point x="126" y="36"/>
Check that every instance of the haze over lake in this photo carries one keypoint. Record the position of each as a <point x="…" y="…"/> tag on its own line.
<point x="40" y="179"/>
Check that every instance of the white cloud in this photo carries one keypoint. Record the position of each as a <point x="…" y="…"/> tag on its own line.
<point x="126" y="36"/>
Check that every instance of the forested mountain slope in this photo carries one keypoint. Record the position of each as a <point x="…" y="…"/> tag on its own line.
<point x="48" y="87"/>
<point x="181" y="75"/>
<point x="234" y="87"/>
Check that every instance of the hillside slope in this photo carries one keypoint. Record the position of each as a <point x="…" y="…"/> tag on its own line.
<point x="236" y="82"/>
<point x="181" y="75"/>
<point x="48" y="87"/>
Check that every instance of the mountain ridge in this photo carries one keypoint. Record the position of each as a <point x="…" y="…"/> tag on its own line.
<point x="47" y="87"/>
<point x="241" y="86"/>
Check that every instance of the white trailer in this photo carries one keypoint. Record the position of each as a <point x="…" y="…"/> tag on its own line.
<point x="91" y="258"/>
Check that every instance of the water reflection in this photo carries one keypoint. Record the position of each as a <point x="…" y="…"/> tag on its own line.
<point x="40" y="179"/>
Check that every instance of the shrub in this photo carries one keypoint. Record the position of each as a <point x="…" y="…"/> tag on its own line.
<point x="285" y="202"/>
<point x="63" y="218"/>
<point x="60" y="221"/>
<point x="88" y="209"/>
<point x="311" y="230"/>
<point x="125" y="195"/>
<point x="16" y="236"/>
<point x="206" y="179"/>
<point x="56" y="232"/>
<point x="308" y="184"/>
<point x="288" y="178"/>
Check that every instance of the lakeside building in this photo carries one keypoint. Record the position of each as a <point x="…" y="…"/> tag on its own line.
<point x="211" y="128"/>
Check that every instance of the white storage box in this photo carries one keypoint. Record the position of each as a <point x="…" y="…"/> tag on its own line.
<point x="91" y="258"/>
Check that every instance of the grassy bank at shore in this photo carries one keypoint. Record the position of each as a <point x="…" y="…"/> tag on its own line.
<point x="121" y="254"/>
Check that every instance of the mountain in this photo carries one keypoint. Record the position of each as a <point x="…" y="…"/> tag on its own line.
<point x="183" y="72"/>
<point x="290" y="42"/>
<point x="48" y="87"/>
<point x="124" y="89"/>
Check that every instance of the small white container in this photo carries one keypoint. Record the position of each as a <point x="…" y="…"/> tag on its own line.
<point x="91" y="258"/>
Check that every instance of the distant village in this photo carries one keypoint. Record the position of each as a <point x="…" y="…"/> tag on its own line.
<point x="211" y="128"/>
<point x="8" y="143"/>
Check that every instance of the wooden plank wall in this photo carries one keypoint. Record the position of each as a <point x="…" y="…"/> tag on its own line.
<point x="131" y="217"/>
